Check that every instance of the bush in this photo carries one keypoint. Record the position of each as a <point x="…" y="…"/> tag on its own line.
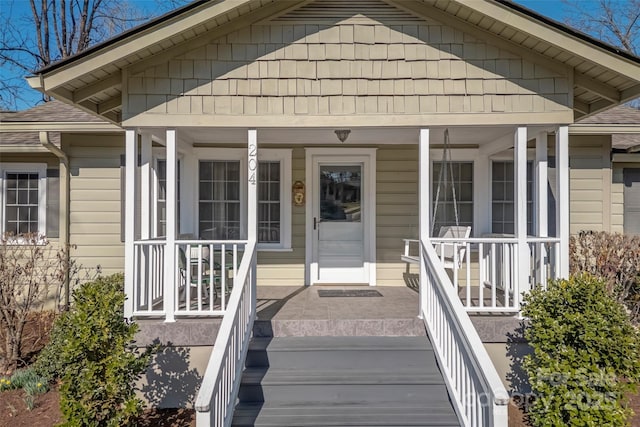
<point x="92" y="351"/>
<point x="586" y="354"/>
<point x="31" y="270"/>
<point x="613" y="257"/>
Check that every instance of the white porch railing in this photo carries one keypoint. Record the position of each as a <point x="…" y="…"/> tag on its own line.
<point x="204" y="276"/>
<point x="477" y="393"/>
<point x="486" y="270"/>
<point x="217" y="395"/>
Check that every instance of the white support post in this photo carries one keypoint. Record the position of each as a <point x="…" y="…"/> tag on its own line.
<point x="170" y="273"/>
<point x="145" y="186"/>
<point x="541" y="205"/>
<point x="562" y="199"/>
<point x="252" y="202"/>
<point x="424" y="209"/>
<point x="520" y="212"/>
<point x="188" y="199"/>
<point x="131" y="161"/>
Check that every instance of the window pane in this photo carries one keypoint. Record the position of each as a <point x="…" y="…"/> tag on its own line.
<point x="269" y="202"/>
<point x="21" y="206"/>
<point x="502" y="195"/>
<point x="219" y="200"/>
<point x="12" y="197"/>
<point x="444" y="205"/>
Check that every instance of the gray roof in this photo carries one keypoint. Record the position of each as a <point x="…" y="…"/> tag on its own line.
<point x="27" y="138"/>
<point x="620" y="115"/>
<point x="54" y="111"/>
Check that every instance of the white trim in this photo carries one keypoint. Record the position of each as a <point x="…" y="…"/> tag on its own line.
<point x="41" y="170"/>
<point x="562" y="198"/>
<point x="424" y="210"/>
<point x="366" y="156"/>
<point x="170" y="272"/>
<point x="520" y="207"/>
<point x="131" y="161"/>
<point x="146" y="186"/>
<point x="252" y="185"/>
<point x="541" y="186"/>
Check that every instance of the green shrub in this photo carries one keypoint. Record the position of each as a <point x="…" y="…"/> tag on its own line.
<point x="91" y="351"/>
<point x="586" y="354"/>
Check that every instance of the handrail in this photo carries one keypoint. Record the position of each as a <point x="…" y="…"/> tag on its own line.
<point x="217" y="395"/>
<point x="477" y="393"/>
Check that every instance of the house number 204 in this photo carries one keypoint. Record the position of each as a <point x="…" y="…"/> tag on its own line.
<point x="253" y="163"/>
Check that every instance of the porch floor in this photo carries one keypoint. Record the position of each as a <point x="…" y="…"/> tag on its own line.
<point x="284" y="311"/>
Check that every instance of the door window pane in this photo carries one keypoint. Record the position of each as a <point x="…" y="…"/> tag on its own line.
<point x="340" y="193"/>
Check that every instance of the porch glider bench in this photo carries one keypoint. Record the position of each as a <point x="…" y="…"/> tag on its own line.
<point x="445" y="251"/>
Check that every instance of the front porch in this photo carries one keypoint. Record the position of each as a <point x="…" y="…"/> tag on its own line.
<point x="184" y="258"/>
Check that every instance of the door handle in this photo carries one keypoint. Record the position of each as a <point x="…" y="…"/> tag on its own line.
<point x="315" y="223"/>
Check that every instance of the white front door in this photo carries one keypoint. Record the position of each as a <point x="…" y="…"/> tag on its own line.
<point x="341" y="219"/>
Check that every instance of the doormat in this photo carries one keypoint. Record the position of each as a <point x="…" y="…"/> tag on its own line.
<point x="332" y="293"/>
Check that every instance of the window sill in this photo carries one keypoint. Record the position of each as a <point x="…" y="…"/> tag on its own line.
<point x="267" y="249"/>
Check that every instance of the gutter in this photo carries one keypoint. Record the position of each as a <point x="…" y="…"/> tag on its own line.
<point x="64" y="207"/>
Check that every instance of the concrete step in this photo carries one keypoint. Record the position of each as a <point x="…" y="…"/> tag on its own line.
<point x="267" y="415"/>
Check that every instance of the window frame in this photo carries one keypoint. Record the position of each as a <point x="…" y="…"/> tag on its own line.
<point x="282" y="155"/>
<point x="158" y="155"/>
<point x="458" y="155"/>
<point x="41" y="170"/>
<point x="531" y="222"/>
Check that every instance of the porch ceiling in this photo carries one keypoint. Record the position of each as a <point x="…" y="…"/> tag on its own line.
<point x="468" y="136"/>
<point x="92" y="80"/>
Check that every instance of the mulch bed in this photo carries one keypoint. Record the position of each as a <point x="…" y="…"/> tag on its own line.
<point x="46" y="412"/>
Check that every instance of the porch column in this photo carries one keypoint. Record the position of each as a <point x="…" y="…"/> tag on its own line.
<point x="520" y="212"/>
<point x="252" y="204"/>
<point x="562" y="199"/>
<point x="131" y="157"/>
<point x="424" y="208"/>
<point x="541" y="206"/>
<point x="252" y="190"/>
<point x="170" y="274"/>
<point x="145" y="186"/>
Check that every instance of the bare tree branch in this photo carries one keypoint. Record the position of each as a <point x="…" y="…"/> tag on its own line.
<point x="56" y="29"/>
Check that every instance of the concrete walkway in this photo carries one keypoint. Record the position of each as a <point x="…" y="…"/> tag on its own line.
<point x="301" y="311"/>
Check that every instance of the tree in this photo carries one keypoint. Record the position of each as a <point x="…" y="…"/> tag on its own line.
<point x="50" y="30"/>
<point x="613" y="21"/>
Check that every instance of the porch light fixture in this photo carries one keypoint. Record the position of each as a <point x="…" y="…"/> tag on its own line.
<point x="343" y="134"/>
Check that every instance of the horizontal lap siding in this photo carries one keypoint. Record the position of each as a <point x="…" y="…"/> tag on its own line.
<point x="590" y="183"/>
<point x="95" y="197"/>
<point x="397" y="209"/>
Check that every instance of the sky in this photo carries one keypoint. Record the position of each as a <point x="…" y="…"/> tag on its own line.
<point x="16" y="9"/>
